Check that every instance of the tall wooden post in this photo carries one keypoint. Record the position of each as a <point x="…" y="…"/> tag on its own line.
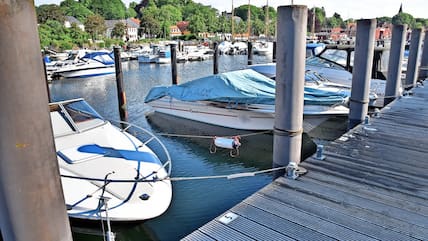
<point x="364" y="50"/>
<point x="290" y="80"/>
<point x="393" y="78"/>
<point x="274" y="52"/>
<point x="250" y="53"/>
<point x="423" y="73"/>
<point x="412" y="61"/>
<point x="215" y="60"/>
<point x="174" y="63"/>
<point x="121" y="95"/>
<point x="32" y="205"/>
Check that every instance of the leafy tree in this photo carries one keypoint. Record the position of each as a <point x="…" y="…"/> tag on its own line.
<point x="197" y="24"/>
<point x="49" y="12"/>
<point x="404" y="18"/>
<point x="75" y="9"/>
<point x="335" y="21"/>
<point x="94" y="25"/>
<point x="118" y="30"/>
<point x="383" y="20"/>
<point x="421" y="22"/>
<point x="111" y="9"/>
<point x="130" y="12"/>
<point x="149" y="25"/>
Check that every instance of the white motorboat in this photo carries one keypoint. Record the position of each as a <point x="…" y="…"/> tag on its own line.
<point x="242" y="100"/>
<point x="106" y="170"/>
<point x="263" y="48"/>
<point x="90" y="64"/>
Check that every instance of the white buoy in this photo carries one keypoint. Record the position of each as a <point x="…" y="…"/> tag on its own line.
<point x="227" y="143"/>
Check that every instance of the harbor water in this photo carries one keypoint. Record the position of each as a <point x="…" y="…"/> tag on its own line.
<point x="194" y="202"/>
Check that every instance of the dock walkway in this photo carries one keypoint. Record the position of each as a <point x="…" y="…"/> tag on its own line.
<point x="372" y="185"/>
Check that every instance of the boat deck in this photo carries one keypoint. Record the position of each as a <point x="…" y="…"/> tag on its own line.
<point x="372" y="185"/>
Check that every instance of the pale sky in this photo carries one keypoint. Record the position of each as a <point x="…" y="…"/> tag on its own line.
<point x="355" y="9"/>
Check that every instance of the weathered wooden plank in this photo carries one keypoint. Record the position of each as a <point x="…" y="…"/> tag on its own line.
<point x="219" y="231"/>
<point x="254" y="229"/>
<point x="197" y="236"/>
<point x="274" y="222"/>
<point x="387" y="180"/>
<point x="382" y="153"/>
<point x="305" y="219"/>
<point x="349" y="198"/>
<point x="359" y="220"/>
<point x="371" y="188"/>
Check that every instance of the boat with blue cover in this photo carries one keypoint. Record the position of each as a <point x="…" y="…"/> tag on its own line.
<point x="242" y="99"/>
<point x="105" y="170"/>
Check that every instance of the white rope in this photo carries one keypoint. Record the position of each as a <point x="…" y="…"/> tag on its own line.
<point x="211" y="137"/>
<point x="229" y="176"/>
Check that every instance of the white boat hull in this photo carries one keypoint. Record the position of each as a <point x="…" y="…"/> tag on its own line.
<point x="103" y="151"/>
<point x="253" y="117"/>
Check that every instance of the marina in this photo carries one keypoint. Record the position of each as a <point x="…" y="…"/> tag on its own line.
<point x="177" y="173"/>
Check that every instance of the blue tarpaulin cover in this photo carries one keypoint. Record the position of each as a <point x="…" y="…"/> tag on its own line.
<point x="241" y="86"/>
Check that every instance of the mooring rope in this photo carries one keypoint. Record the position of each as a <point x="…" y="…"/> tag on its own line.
<point x="211" y="137"/>
<point x="227" y="176"/>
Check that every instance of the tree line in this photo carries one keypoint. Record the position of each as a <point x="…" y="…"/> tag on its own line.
<point x="156" y="17"/>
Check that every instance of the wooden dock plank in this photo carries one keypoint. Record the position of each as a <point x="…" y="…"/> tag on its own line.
<point x="358" y="219"/>
<point x="197" y="235"/>
<point x="281" y="225"/>
<point x="220" y="232"/>
<point x="316" y="224"/>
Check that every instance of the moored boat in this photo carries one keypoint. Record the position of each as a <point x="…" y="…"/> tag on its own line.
<point x="243" y="100"/>
<point x="106" y="170"/>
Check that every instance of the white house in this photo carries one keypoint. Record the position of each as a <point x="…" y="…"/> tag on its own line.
<point x="69" y="20"/>
<point x="132" y="26"/>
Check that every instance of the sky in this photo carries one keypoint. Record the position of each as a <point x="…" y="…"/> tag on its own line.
<point x="355" y="9"/>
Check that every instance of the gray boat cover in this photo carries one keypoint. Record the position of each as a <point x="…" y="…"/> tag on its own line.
<point x="239" y="87"/>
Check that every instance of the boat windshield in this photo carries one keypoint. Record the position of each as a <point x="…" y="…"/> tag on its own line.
<point x="317" y="61"/>
<point x="77" y="115"/>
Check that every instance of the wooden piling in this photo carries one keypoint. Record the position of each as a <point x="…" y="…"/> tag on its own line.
<point x="423" y="72"/>
<point x="290" y="81"/>
<point x="215" y="60"/>
<point x="250" y="53"/>
<point x="174" y="63"/>
<point x="274" y="52"/>
<point x="121" y="95"/>
<point x="364" y="50"/>
<point x="393" y="82"/>
<point x="412" y="61"/>
<point x="32" y="205"/>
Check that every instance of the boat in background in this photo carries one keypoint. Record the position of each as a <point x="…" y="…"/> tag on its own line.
<point x="242" y="99"/>
<point x="83" y="64"/>
<point x="106" y="170"/>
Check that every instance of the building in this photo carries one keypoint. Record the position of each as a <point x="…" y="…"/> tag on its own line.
<point x="131" y="33"/>
<point x="70" y="20"/>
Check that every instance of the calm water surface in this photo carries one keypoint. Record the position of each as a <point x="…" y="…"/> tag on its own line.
<point x="194" y="202"/>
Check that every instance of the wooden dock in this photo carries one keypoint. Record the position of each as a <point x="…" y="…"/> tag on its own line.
<point x="372" y="185"/>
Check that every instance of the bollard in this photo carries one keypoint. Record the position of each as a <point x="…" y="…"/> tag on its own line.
<point x="364" y="49"/>
<point x="412" y="61"/>
<point x="32" y="205"/>
<point x="393" y="79"/>
<point x="215" y="60"/>
<point x="423" y="73"/>
<point x="121" y="95"/>
<point x="290" y="81"/>
<point x="250" y="53"/>
<point x="174" y="63"/>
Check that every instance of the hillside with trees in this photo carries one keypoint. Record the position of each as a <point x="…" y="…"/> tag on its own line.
<point x="157" y="16"/>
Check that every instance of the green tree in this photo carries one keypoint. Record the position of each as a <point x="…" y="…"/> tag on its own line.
<point x="149" y="25"/>
<point x="335" y="21"/>
<point x="111" y="9"/>
<point x="383" y="20"/>
<point x="119" y="30"/>
<point x="130" y="12"/>
<point x="94" y="25"/>
<point x="404" y="18"/>
<point x="75" y="9"/>
<point x="197" y="24"/>
<point x="49" y="12"/>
